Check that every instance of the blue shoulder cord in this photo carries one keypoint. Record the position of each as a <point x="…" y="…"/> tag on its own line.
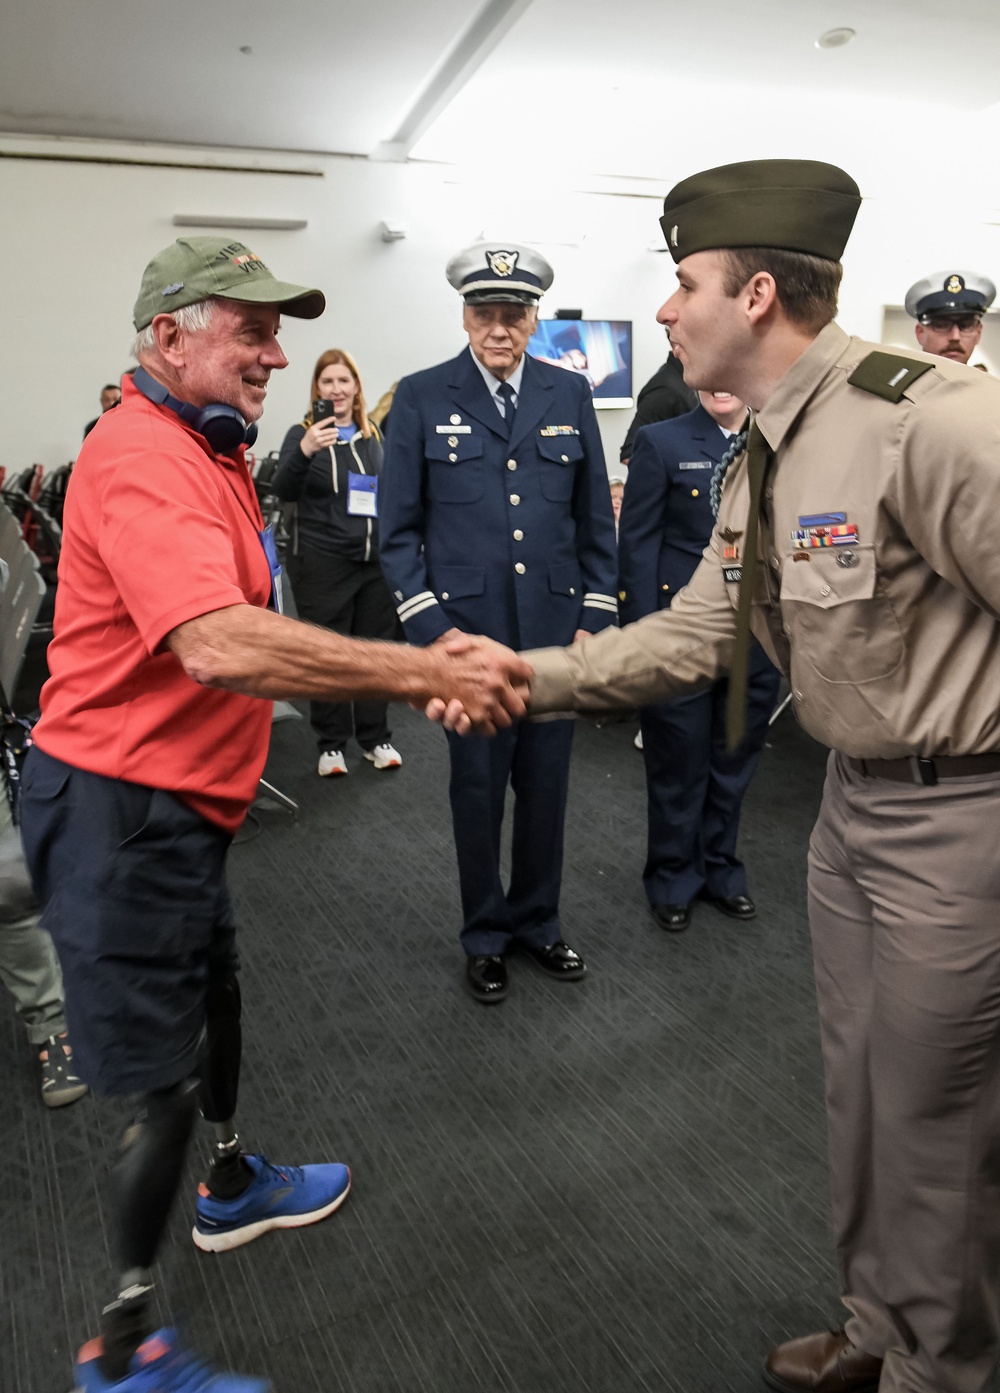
<point x="736" y="447"/>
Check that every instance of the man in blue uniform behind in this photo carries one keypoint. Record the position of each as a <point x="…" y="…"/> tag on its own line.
<point x="694" y="784"/>
<point x="496" y="519"/>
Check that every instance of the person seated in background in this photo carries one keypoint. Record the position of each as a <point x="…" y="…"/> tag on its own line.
<point x="329" y="467"/>
<point x="111" y="395"/>
<point x="29" y="969"/>
<point x="694" y="784"/>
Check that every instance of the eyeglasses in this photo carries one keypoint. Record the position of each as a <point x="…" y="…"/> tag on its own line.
<point x="964" y="323"/>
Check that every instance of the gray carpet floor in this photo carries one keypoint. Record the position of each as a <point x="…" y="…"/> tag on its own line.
<point x="617" y="1184"/>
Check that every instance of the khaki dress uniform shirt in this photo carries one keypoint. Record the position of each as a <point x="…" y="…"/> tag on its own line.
<point x="892" y="646"/>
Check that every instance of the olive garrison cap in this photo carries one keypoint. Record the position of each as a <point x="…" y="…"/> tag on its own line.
<point x="795" y="205"/>
<point x="201" y="268"/>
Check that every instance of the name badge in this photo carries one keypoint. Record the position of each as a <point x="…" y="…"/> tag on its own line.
<point x="453" y="430"/>
<point x="274" y="566"/>
<point x="696" y="464"/>
<point x="362" y="495"/>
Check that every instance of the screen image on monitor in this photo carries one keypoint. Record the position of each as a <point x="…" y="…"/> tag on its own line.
<point x="598" y="349"/>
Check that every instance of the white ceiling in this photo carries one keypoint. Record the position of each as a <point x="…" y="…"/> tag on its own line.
<point x="624" y="87"/>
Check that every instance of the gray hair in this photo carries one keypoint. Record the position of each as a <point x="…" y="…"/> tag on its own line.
<point x="193" y="319"/>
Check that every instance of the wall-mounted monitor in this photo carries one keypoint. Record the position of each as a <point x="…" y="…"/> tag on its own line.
<point x="598" y="349"/>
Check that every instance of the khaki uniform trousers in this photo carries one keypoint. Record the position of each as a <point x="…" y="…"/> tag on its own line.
<point x="904" y="906"/>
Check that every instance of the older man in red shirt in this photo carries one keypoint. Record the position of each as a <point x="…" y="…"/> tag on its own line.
<point x="169" y="642"/>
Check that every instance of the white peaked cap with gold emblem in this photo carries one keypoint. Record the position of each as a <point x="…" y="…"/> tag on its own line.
<point x="950" y="292"/>
<point x="497" y="272"/>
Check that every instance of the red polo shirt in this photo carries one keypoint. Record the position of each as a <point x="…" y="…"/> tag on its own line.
<point x="156" y="530"/>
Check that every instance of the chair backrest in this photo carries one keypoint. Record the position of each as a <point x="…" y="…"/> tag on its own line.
<point x="20" y="600"/>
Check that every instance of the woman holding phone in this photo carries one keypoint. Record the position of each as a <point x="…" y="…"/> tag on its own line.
<point x="329" y="467"/>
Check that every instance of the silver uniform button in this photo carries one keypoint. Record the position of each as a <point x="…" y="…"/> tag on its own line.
<point x="518" y="535"/>
<point x="826" y="590"/>
<point x="515" y="498"/>
<point x="445" y="595"/>
<point x="520" y="568"/>
<point x="512" y="464"/>
<point x="455" y="420"/>
<point x="565" y="459"/>
<point x="776" y="564"/>
<point x="572" y="590"/>
<point x="452" y="459"/>
<point x="847" y="559"/>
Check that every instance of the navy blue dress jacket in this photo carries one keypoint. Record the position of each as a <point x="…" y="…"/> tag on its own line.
<point x="666" y="516"/>
<point x="514" y="539"/>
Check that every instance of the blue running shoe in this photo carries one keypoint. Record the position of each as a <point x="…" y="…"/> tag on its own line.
<point x="278" y="1197"/>
<point x="160" y="1365"/>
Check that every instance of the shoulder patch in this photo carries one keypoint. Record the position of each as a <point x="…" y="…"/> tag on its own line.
<point x="887" y="374"/>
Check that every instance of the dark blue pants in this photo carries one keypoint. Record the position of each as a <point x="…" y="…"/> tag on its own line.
<point x="534" y="760"/>
<point x="695" y="787"/>
<point x="133" y="891"/>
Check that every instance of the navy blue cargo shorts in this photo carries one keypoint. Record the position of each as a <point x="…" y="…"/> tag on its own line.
<point x="133" y="891"/>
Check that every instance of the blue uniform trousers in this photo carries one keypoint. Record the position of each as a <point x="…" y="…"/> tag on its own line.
<point x="534" y="760"/>
<point x="695" y="788"/>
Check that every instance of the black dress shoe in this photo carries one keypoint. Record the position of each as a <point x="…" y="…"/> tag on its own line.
<point x="675" y="918"/>
<point x="557" y="959"/>
<point x="486" y="979"/>
<point x="736" y="906"/>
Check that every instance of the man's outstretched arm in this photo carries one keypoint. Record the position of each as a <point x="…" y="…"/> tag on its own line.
<point x="263" y="654"/>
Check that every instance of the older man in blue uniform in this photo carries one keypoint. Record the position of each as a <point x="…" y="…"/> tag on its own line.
<point x="496" y="519"/>
<point x="694" y="784"/>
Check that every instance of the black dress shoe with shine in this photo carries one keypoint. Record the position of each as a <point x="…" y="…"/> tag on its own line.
<point x="675" y="918"/>
<point x="557" y="959"/>
<point x="736" y="906"/>
<point x="486" y="979"/>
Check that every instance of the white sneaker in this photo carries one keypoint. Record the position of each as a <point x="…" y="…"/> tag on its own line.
<point x="331" y="762"/>
<point x="637" y="742"/>
<point x="384" y="756"/>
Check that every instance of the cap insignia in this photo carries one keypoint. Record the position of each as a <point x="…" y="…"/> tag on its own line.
<point x="502" y="263"/>
<point x="673" y="235"/>
<point x="172" y="289"/>
<point x="954" y="284"/>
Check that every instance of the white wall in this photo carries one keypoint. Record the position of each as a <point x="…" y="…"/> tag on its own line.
<point x="74" y="239"/>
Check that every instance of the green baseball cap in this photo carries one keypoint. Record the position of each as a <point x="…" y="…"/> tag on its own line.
<point x="795" y="205"/>
<point x="200" y="268"/>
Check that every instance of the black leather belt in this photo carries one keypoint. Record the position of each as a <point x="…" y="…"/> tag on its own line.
<point x="912" y="769"/>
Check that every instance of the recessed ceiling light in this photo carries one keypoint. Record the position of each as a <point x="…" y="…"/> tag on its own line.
<point x="835" y="38"/>
<point x="245" y="48"/>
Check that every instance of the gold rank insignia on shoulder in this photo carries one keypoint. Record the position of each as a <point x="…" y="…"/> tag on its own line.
<point x="559" y="430"/>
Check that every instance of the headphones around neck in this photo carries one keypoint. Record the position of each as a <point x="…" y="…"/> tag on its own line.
<point x="222" y="426"/>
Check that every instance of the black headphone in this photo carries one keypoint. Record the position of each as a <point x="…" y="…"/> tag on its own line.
<point x="222" y="426"/>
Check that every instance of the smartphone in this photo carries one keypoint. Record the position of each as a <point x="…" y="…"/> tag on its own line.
<point x="322" y="411"/>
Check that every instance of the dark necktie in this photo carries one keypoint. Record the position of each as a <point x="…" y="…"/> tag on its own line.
<point x="506" y="394"/>
<point x="758" y="458"/>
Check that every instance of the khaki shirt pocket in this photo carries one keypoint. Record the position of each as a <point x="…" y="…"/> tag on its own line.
<point x="837" y="616"/>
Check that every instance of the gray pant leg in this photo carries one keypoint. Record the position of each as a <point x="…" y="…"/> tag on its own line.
<point x="911" y="1036"/>
<point x="29" y="968"/>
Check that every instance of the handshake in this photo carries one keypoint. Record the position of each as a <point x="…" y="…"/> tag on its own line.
<point x="478" y="686"/>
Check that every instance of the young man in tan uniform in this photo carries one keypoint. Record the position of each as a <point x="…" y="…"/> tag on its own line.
<point x="873" y="581"/>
